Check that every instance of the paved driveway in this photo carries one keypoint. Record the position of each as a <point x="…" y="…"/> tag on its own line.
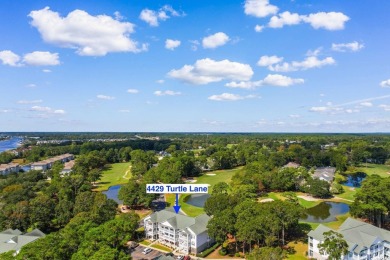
<point x="138" y="255"/>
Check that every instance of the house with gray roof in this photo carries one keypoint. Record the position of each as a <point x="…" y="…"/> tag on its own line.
<point x="325" y="173"/>
<point x="178" y="231"/>
<point x="364" y="240"/>
<point x="14" y="239"/>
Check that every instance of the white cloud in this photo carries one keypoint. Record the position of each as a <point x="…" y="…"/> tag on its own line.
<point x="205" y="71"/>
<point x="308" y="63"/>
<point x="316" y="52"/>
<point x="215" y="40"/>
<point x="280" y="80"/>
<point x="324" y="109"/>
<point x="385" y="83"/>
<point x="229" y="97"/>
<point x="124" y="111"/>
<point x="46" y="70"/>
<point x="366" y="104"/>
<point x="259" y="8"/>
<point x="89" y="35"/>
<point x="259" y="28"/>
<point x="41" y="109"/>
<point x="285" y="18"/>
<point x="194" y="44"/>
<point x="153" y="17"/>
<point x="160" y="81"/>
<point x="172" y="44"/>
<point x="270" y="80"/>
<point x="132" y="91"/>
<point x="385" y="107"/>
<point x="166" y="93"/>
<point x="9" y="58"/>
<point x="265" y="61"/>
<point x="41" y="58"/>
<point x="294" y="116"/>
<point x="30" y="101"/>
<point x="5" y="110"/>
<point x="329" y="21"/>
<point x="350" y="111"/>
<point x="59" y="111"/>
<point x="105" y="97"/>
<point x="343" y="47"/>
<point x="32" y="85"/>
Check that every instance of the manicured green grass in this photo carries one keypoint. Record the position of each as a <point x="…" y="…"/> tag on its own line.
<point x="161" y="247"/>
<point x="115" y="174"/>
<point x="308" y="204"/>
<point x="220" y="176"/>
<point x="300" y="249"/>
<point x="145" y="242"/>
<point x="370" y="168"/>
<point x="336" y="224"/>
<point x="349" y="193"/>
<point x="190" y="210"/>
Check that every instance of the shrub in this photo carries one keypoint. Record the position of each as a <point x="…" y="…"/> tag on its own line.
<point x="208" y="251"/>
<point x="222" y="251"/>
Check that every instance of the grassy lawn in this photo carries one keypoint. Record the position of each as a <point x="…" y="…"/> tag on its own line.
<point x="370" y="168"/>
<point x="115" y="174"/>
<point x="161" y="247"/>
<point x="299" y="249"/>
<point x="145" y="242"/>
<point x="220" y="176"/>
<point x="349" y="193"/>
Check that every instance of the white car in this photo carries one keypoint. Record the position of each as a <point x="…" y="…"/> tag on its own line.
<point x="146" y="251"/>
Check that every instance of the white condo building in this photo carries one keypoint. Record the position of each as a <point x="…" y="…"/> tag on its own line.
<point x="365" y="241"/>
<point x="184" y="233"/>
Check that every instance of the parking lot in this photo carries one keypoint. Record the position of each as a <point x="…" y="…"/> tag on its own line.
<point x="138" y="255"/>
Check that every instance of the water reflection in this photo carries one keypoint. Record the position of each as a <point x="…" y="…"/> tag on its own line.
<point x="325" y="212"/>
<point x="197" y="200"/>
<point x="355" y="180"/>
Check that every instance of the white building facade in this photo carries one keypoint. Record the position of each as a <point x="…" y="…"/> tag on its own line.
<point x="365" y="241"/>
<point x="186" y="234"/>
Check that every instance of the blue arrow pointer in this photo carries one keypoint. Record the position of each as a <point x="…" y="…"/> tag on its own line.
<point x="177" y="207"/>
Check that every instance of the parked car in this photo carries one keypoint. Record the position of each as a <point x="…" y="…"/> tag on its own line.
<point x="146" y="251"/>
<point x="187" y="257"/>
<point x="180" y="257"/>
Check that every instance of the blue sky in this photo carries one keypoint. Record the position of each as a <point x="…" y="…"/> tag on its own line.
<point x="224" y="66"/>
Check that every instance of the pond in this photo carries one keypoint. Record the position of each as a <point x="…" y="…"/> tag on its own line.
<point x="197" y="200"/>
<point x="355" y="180"/>
<point x="325" y="212"/>
<point x="112" y="193"/>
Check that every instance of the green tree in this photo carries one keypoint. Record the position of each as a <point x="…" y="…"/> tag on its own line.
<point x="334" y="245"/>
<point x="269" y="253"/>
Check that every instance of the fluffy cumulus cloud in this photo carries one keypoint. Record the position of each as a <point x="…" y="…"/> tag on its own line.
<point x="308" y="63"/>
<point x="229" y="97"/>
<point x="259" y="28"/>
<point x="9" y="58"/>
<point x="132" y="91"/>
<point x="343" y="47"/>
<point x="104" y="97"/>
<point x="166" y="93"/>
<point x="276" y="80"/>
<point x="285" y="18"/>
<point x="206" y="71"/>
<point x="385" y="83"/>
<point x="329" y="21"/>
<point x="259" y="8"/>
<point x="89" y="35"/>
<point x="265" y="61"/>
<point x="41" y="58"/>
<point x="215" y="40"/>
<point x="154" y="17"/>
<point x="36" y="58"/>
<point x="172" y="44"/>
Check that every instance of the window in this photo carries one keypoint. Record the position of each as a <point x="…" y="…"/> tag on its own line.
<point x="311" y="253"/>
<point x="311" y="244"/>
